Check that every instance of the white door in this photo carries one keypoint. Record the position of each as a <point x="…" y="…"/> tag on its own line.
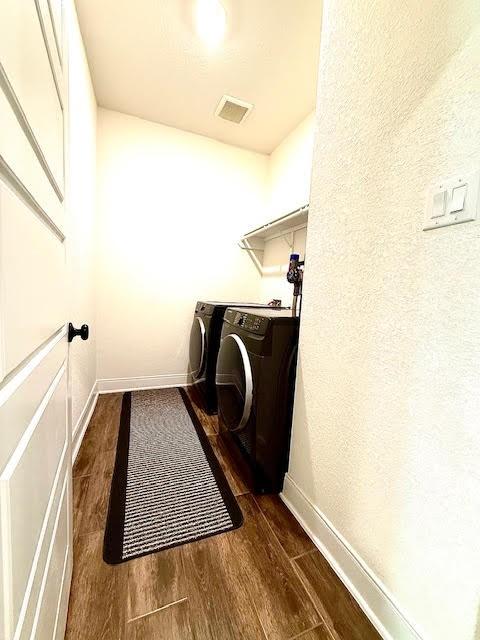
<point x="35" y="457"/>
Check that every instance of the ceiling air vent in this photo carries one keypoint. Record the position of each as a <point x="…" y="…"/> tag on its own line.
<point x="233" y="109"/>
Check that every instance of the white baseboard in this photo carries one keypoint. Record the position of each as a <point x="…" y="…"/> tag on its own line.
<point x="111" y="385"/>
<point x="82" y="424"/>
<point x="365" y="587"/>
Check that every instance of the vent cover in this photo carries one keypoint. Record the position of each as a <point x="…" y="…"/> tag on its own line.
<point x="233" y="109"/>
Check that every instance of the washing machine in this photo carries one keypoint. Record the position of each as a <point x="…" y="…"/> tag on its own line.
<point x="204" y="345"/>
<point x="255" y="380"/>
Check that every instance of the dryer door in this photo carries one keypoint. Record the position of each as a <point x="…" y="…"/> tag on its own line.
<point x="234" y="383"/>
<point x="197" y="348"/>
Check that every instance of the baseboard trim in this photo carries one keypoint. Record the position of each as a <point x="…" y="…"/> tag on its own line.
<point x="363" y="584"/>
<point x="111" y="385"/>
<point x="82" y="424"/>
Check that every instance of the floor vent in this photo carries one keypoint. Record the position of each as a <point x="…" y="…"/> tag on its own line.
<point x="233" y="109"/>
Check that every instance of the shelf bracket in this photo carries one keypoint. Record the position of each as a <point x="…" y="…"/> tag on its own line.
<point x="283" y="227"/>
<point x="255" y="254"/>
<point x="289" y="239"/>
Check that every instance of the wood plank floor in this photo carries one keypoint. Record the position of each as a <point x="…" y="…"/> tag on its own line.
<point x="263" y="581"/>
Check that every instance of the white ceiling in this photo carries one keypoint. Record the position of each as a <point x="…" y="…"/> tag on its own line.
<point x="147" y="60"/>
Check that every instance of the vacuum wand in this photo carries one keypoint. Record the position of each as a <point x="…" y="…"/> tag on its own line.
<point x="295" y="277"/>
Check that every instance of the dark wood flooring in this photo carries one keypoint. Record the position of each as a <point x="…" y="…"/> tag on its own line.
<point x="265" y="580"/>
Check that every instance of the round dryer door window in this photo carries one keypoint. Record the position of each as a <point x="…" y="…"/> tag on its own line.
<point x="197" y="348"/>
<point x="234" y="383"/>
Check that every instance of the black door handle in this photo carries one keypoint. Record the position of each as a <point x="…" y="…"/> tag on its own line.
<point x="82" y="332"/>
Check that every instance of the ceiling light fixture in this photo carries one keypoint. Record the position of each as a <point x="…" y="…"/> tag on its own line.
<point x="211" y="21"/>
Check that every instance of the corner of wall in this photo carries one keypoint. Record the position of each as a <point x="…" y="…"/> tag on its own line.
<point x="80" y="174"/>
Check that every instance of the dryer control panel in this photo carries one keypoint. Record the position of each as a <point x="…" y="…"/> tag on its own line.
<point x="247" y="321"/>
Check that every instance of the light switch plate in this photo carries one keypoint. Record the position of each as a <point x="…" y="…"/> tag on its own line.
<point x="445" y="195"/>
<point x="439" y="204"/>
<point x="457" y="202"/>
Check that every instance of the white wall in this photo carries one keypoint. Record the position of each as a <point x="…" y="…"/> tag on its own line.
<point x="386" y="440"/>
<point x="290" y="169"/>
<point x="81" y="195"/>
<point x="171" y="208"/>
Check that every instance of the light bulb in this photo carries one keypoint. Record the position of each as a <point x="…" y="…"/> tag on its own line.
<point x="211" y="22"/>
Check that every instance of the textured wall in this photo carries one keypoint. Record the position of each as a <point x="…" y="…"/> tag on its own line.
<point x="386" y="437"/>
<point x="80" y="173"/>
<point x="172" y="206"/>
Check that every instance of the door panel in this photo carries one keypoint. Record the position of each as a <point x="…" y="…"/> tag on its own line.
<point x="32" y="264"/>
<point x="35" y="443"/>
<point x="234" y="383"/>
<point x="3" y="618"/>
<point x="27" y="483"/>
<point x="198" y="337"/>
<point x="53" y="578"/>
<point x="25" y="396"/>
<point x="39" y="569"/>
<point x="55" y="7"/>
<point x="20" y="164"/>
<point x="51" y="40"/>
<point x="29" y="74"/>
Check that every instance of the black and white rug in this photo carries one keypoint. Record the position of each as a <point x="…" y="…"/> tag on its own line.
<point x="168" y="487"/>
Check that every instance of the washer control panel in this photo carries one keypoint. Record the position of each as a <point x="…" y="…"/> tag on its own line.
<point x="205" y="308"/>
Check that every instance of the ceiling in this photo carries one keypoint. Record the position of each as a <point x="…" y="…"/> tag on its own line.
<point x="147" y="60"/>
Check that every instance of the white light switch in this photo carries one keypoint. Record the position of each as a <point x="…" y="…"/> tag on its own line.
<point x="453" y="201"/>
<point x="458" y="199"/>
<point x="439" y="200"/>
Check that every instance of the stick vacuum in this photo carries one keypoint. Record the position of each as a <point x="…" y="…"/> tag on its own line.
<point x="295" y="277"/>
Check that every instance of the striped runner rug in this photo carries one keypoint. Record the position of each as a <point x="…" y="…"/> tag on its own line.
<point x="167" y="487"/>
